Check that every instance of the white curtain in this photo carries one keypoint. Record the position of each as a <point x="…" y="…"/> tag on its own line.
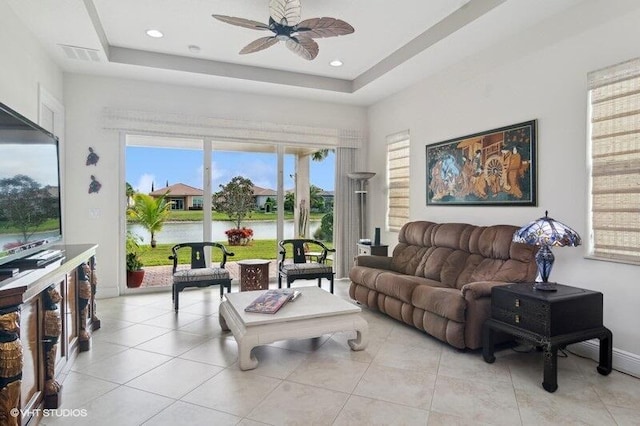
<point x="345" y="214"/>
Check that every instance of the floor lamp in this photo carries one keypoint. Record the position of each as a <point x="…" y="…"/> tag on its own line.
<point x="361" y="178"/>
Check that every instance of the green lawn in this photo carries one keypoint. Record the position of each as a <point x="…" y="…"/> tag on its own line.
<point x="257" y="249"/>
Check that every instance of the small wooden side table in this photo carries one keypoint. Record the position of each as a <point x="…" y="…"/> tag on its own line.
<point x="254" y="274"/>
<point x="371" y="250"/>
<point x="551" y="319"/>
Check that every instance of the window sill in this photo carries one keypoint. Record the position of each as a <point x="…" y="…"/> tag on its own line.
<point x="607" y="259"/>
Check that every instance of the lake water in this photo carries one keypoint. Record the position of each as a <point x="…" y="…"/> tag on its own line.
<point x="175" y="232"/>
<point x="12" y="238"/>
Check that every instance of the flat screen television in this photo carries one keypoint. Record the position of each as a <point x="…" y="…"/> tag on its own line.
<point x="30" y="210"/>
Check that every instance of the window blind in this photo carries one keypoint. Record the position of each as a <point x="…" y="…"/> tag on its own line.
<point x="398" y="148"/>
<point x="615" y="162"/>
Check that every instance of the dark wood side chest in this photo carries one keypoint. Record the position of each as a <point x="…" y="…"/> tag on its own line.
<point x="548" y="319"/>
<point x="568" y="310"/>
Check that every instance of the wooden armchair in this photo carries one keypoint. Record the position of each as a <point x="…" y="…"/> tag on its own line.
<point x="198" y="275"/>
<point x="299" y="266"/>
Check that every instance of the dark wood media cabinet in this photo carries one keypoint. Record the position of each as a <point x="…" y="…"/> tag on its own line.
<point x="46" y="318"/>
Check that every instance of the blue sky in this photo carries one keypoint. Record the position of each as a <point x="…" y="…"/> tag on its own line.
<point x="162" y="165"/>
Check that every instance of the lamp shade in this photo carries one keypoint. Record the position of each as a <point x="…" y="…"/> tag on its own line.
<point x="547" y="232"/>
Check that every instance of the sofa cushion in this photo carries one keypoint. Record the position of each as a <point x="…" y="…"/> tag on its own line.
<point x="515" y="271"/>
<point x="407" y="258"/>
<point x="400" y="286"/>
<point x="365" y="276"/>
<point x="443" y="301"/>
<point x="496" y="242"/>
<point x="432" y="264"/>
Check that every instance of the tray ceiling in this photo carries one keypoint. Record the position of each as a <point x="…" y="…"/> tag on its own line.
<point x="394" y="45"/>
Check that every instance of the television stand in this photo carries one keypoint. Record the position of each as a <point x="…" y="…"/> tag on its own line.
<point x="47" y="318"/>
<point x="37" y="260"/>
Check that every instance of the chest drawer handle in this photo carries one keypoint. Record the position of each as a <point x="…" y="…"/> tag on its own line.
<point x="517" y="303"/>
<point x="517" y="319"/>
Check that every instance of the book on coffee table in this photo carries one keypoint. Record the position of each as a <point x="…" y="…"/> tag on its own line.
<point x="271" y="301"/>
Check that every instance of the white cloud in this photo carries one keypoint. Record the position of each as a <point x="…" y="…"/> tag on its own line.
<point x="261" y="173"/>
<point x="144" y="183"/>
<point x="219" y="175"/>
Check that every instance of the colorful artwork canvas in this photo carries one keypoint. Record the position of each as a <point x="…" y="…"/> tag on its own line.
<point x="496" y="167"/>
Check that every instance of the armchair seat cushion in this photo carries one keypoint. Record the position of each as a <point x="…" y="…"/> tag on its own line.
<point x="305" y="268"/>
<point x="201" y="274"/>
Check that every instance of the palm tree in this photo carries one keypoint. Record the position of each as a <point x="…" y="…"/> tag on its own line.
<point x="129" y="192"/>
<point x="317" y="200"/>
<point x="289" y="201"/>
<point x="150" y="212"/>
<point x="320" y="154"/>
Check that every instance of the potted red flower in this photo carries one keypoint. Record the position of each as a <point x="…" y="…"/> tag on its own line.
<point x="239" y="236"/>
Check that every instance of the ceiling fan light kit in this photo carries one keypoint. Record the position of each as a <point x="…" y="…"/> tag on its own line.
<point x="285" y="24"/>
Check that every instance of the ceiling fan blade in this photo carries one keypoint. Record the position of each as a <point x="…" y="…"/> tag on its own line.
<point x="259" y="44"/>
<point x="304" y="47"/>
<point x="324" y="27"/>
<point x="285" y="12"/>
<point x="241" y="22"/>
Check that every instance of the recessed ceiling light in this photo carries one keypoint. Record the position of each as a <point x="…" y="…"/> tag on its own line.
<point x="336" y="63"/>
<point x="154" y="33"/>
<point x="193" y="48"/>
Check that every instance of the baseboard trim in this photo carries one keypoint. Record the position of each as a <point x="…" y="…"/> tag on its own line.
<point x="625" y="362"/>
<point x="107" y="292"/>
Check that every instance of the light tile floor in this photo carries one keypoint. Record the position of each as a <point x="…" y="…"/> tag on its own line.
<point x="150" y="366"/>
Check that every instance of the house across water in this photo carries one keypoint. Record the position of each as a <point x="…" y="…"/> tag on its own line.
<point x="185" y="197"/>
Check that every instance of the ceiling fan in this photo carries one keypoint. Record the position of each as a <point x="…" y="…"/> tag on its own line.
<point x="285" y="24"/>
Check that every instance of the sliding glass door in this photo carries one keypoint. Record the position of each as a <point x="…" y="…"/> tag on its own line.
<point x="291" y="195"/>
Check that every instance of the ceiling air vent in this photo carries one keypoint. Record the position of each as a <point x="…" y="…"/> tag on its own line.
<point x="80" y="53"/>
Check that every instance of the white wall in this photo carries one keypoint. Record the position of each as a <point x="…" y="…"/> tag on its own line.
<point x="24" y="65"/>
<point x="541" y="75"/>
<point x="85" y="99"/>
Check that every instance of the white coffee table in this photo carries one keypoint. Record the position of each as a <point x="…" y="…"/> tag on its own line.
<point x="314" y="313"/>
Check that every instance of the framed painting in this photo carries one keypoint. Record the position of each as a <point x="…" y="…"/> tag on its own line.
<point x="492" y="168"/>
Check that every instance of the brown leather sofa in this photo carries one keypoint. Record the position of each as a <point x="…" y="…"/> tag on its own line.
<point x="440" y="276"/>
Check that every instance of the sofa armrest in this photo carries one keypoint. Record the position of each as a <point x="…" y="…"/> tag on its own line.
<point x="478" y="289"/>
<point x="377" y="262"/>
